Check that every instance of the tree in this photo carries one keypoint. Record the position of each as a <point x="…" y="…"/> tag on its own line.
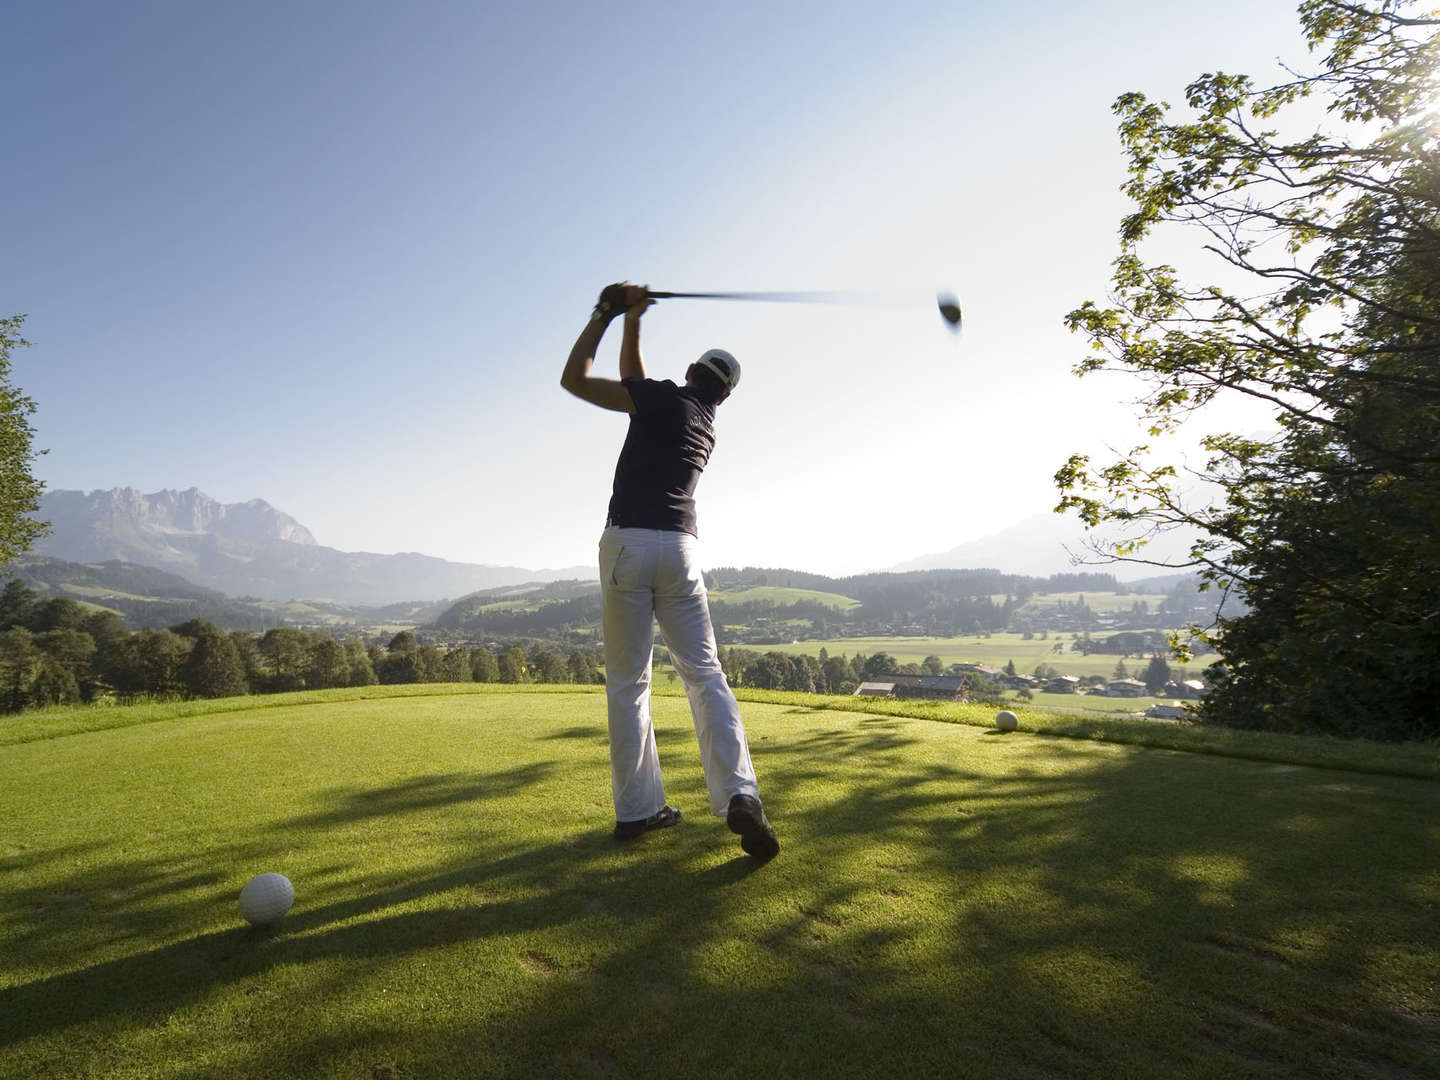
<point x="879" y="664"/>
<point x="68" y="654"/>
<point x="455" y="666"/>
<point x="57" y="613"/>
<point x="248" y="650"/>
<point x="839" y="679"/>
<point x="284" y="658"/>
<point x="769" y="672"/>
<point x="1324" y="307"/>
<point x="146" y="662"/>
<point x="428" y="661"/>
<point x="548" y="667"/>
<point x="19" y="490"/>
<point x="932" y="665"/>
<point x="213" y="667"/>
<point x="1121" y="671"/>
<point x="19" y="664"/>
<point x="16" y="602"/>
<point x="483" y="667"/>
<point x="583" y="668"/>
<point x="394" y="668"/>
<point x="511" y="664"/>
<point x="362" y="671"/>
<point x="1157" y="674"/>
<point x="327" y="665"/>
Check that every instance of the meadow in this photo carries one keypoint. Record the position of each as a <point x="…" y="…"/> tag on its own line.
<point x="776" y="594"/>
<point x="1081" y="898"/>
<point x="996" y="650"/>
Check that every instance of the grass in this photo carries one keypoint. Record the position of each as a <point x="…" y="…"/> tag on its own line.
<point x="1090" y="703"/>
<point x="995" y="650"/>
<point x="949" y="901"/>
<point x="1100" y="602"/>
<point x="780" y="595"/>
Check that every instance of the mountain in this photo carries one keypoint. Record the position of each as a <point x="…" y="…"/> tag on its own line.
<point x="1048" y="544"/>
<point x="251" y="549"/>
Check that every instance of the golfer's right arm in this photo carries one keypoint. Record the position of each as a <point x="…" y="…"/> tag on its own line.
<point x="607" y="393"/>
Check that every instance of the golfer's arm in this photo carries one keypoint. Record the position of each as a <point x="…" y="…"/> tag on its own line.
<point x="632" y="365"/>
<point x="607" y="393"/>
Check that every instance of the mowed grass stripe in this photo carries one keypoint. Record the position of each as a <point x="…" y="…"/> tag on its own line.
<point x="948" y="901"/>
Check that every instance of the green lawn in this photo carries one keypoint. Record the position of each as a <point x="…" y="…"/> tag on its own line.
<point x="949" y="901"/>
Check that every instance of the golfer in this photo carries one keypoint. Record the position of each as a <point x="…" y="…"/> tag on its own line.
<point x="649" y="572"/>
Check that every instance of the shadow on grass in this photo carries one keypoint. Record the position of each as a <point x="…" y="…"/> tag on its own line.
<point x="948" y="905"/>
<point x="578" y="732"/>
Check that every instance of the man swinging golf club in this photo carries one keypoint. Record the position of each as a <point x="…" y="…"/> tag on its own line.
<point x="649" y="570"/>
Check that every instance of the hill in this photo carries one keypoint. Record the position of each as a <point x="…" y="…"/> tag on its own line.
<point x="250" y="549"/>
<point x="149" y="598"/>
<point x="757" y="605"/>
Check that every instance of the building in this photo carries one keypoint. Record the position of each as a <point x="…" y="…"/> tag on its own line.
<point x="1065" y="684"/>
<point x="1125" y="688"/>
<point x="1189" y="690"/>
<point x="1166" y="712"/>
<point x="876" y="689"/>
<point x="927" y="687"/>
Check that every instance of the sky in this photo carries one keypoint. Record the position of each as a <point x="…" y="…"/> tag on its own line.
<point x="333" y="255"/>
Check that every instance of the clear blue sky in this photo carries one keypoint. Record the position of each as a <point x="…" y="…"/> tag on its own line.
<point x="333" y="255"/>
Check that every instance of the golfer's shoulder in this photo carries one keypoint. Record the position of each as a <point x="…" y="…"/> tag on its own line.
<point x="651" y="393"/>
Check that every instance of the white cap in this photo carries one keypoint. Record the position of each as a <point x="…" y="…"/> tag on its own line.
<point x="723" y="366"/>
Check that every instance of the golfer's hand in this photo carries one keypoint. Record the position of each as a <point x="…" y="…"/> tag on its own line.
<point x="637" y="299"/>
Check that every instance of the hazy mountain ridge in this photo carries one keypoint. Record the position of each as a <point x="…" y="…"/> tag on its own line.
<point x="1046" y="544"/>
<point x="251" y="549"/>
<point x="147" y="597"/>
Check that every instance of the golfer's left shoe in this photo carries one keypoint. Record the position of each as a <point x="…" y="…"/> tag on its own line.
<point x="661" y="819"/>
<point x="747" y="817"/>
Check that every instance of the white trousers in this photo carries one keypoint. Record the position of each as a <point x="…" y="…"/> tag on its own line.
<point x="648" y="576"/>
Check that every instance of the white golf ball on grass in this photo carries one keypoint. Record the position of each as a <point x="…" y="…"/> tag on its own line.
<point x="1006" y="720"/>
<point x="265" y="899"/>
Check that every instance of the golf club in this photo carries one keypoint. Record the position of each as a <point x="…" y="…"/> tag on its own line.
<point x="948" y="304"/>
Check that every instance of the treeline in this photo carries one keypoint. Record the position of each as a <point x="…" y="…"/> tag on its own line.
<point x="57" y="652"/>
<point x="826" y="674"/>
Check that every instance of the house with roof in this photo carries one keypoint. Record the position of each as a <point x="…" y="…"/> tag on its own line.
<point x="1189" y="690"/>
<point x="927" y="687"/>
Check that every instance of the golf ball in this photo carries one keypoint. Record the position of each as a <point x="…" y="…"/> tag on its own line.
<point x="1006" y="720"/>
<point x="266" y="898"/>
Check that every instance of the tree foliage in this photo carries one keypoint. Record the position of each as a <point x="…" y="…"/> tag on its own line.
<point x="1322" y="302"/>
<point x="19" y="490"/>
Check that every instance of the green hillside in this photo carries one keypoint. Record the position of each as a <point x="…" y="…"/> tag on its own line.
<point x="782" y="597"/>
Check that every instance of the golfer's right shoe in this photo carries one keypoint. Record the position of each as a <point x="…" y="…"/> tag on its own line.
<point x="661" y="819"/>
<point x="757" y="837"/>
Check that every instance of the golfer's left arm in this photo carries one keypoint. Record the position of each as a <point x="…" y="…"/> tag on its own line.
<point x="632" y="365"/>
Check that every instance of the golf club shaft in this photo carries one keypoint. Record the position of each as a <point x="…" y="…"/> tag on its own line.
<point x="773" y="297"/>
